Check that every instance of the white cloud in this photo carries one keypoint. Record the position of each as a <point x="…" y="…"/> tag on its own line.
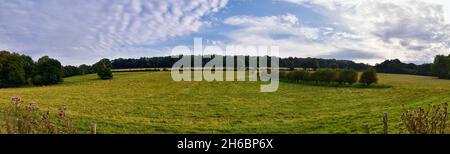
<point x="286" y="26"/>
<point x="410" y="30"/>
<point x="65" y="28"/>
<point x="293" y="38"/>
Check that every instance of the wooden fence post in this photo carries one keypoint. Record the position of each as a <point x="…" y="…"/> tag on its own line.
<point x="94" y="128"/>
<point x="385" y="123"/>
<point x="367" y="128"/>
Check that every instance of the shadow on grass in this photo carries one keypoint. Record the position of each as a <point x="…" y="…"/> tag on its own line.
<point x="337" y="85"/>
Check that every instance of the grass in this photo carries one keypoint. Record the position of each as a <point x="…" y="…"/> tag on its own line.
<point x="150" y="102"/>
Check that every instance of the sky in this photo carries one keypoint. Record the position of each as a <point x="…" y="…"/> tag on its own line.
<point x="368" y="31"/>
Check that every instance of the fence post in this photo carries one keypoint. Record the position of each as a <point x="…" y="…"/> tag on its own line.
<point x="366" y="128"/>
<point x="94" y="128"/>
<point x="385" y="123"/>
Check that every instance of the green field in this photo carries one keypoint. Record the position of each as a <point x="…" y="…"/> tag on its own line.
<point x="150" y="102"/>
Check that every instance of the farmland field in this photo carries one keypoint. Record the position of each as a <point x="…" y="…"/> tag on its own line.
<point x="150" y="102"/>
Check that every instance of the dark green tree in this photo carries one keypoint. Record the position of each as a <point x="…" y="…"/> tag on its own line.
<point x="441" y="66"/>
<point x="347" y="76"/>
<point x="12" y="72"/>
<point x="48" y="71"/>
<point x="369" y="77"/>
<point x="29" y="67"/>
<point x="86" y="69"/>
<point x="103" y="69"/>
<point x="71" y="71"/>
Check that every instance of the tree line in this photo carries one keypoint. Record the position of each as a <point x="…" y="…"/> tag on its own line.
<point x="339" y="76"/>
<point x="19" y="69"/>
<point x="439" y="68"/>
<point x="290" y="62"/>
<point x="397" y="67"/>
<point x="102" y="68"/>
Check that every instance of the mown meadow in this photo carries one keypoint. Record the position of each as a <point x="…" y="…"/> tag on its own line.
<point x="151" y="102"/>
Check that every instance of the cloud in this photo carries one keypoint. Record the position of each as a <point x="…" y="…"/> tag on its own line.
<point x="73" y="29"/>
<point x="83" y="31"/>
<point x="411" y="30"/>
<point x="351" y="54"/>
<point x="287" y="32"/>
<point x="283" y="31"/>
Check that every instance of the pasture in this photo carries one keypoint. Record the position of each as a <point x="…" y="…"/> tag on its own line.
<point x="150" y="102"/>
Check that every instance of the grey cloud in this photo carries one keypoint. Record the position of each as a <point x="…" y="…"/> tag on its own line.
<point x="410" y="30"/>
<point x="348" y="54"/>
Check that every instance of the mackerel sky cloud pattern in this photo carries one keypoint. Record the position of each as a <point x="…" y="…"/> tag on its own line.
<point x="369" y="31"/>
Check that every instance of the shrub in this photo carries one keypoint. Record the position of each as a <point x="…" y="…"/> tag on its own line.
<point x="283" y="74"/>
<point x="301" y="75"/>
<point x="422" y="121"/>
<point x="347" y="76"/>
<point x="22" y="118"/>
<point x="325" y="75"/>
<point x="330" y="76"/>
<point x="291" y="76"/>
<point x="103" y="69"/>
<point x="49" y="70"/>
<point x="369" y="77"/>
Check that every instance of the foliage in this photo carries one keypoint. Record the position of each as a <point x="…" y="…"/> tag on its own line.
<point x="290" y="62"/>
<point x="398" y="67"/>
<point x="29" y="67"/>
<point x="425" y="69"/>
<point x="423" y="121"/>
<point x="71" y="71"/>
<point x="12" y="70"/>
<point x="347" y="76"/>
<point x="103" y="69"/>
<point x="441" y="66"/>
<point x="21" y="118"/>
<point x="48" y="71"/>
<point x="86" y="69"/>
<point x="369" y="77"/>
<point x="340" y="76"/>
<point x="302" y="75"/>
<point x="325" y="75"/>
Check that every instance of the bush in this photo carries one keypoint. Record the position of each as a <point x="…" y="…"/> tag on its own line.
<point x="290" y="76"/>
<point x="369" y="77"/>
<point x="284" y="75"/>
<point x="103" y="69"/>
<point x="422" y="121"/>
<point x="49" y="70"/>
<point x="325" y="75"/>
<point x="347" y="76"/>
<point x="21" y="118"/>
<point x="301" y="75"/>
